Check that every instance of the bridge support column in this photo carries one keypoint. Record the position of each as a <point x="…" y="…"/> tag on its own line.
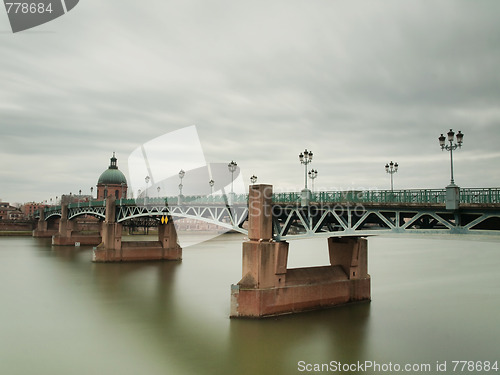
<point x="113" y="249"/>
<point x="67" y="234"/>
<point x="168" y="240"/>
<point x="269" y="288"/>
<point x="42" y="227"/>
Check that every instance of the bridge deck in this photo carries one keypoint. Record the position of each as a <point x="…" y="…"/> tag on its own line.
<point x="328" y="214"/>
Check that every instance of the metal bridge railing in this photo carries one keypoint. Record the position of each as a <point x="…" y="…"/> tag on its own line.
<point x="87" y="204"/>
<point x="418" y="196"/>
<point x="483" y="196"/>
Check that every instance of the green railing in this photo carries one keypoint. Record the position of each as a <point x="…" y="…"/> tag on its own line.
<point x="427" y="196"/>
<point x="478" y="195"/>
<point x="417" y="196"/>
<point x="87" y="204"/>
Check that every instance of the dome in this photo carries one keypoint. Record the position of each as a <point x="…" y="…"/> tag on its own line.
<point x="112" y="175"/>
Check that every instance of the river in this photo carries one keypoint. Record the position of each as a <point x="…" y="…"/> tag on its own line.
<point x="433" y="300"/>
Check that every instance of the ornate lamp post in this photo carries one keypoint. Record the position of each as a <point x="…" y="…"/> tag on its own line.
<point x="181" y="176"/>
<point x="451" y="147"/>
<point x="305" y="158"/>
<point x="452" y="190"/>
<point x="391" y="168"/>
<point x="147" y="178"/>
<point x="158" y="190"/>
<point x="232" y="168"/>
<point x="121" y="196"/>
<point x="253" y="179"/>
<point x="92" y="192"/>
<point x="313" y="173"/>
<point x="211" y="183"/>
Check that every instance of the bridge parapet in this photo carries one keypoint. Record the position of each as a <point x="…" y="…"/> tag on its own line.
<point x="490" y="196"/>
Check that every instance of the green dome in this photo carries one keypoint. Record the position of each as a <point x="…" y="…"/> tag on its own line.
<point x="112" y="176"/>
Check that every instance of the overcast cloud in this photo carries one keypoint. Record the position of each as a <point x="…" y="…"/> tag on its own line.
<point x="359" y="83"/>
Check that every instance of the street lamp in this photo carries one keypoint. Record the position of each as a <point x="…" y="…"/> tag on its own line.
<point x="181" y="176"/>
<point x="232" y="168"/>
<point x="452" y="190"/>
<point x="158" y="190"/>
<point x="211" y="183"/>
<point x="313" y="173"/>
<point x="305" y="195"/>
<point x="147" y="185"/>
<point x="91" y="192"/>
<point x="253" y="179"/>
<point x="451" y="147"/>
<point x="305" y="158"/>
<point x="391" y="168"/>
<point x="121" y="197"/>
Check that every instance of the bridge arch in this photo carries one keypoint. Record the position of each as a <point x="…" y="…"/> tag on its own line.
<point x="158" y="214"/>
<point x="53" y="215"/>
<point x="98" y="215"/>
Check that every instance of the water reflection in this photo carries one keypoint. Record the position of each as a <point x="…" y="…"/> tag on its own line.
<point x="313" y="337"/>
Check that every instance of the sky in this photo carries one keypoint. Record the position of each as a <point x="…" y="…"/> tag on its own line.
<point x="357" y="82"/>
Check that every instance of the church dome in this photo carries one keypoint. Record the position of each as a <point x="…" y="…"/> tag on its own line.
<point x="112" y="175"/>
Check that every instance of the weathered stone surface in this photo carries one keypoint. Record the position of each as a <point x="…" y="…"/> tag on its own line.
<point x="268" y="288"/>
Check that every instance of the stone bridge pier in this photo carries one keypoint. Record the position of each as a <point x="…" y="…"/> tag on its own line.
<point x="113" y="249"/>
<point x="269" y="288"/>
<point x="42" y="227"/>
<point x="69" y="234"/>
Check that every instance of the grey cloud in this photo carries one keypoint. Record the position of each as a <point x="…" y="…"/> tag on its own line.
<point x="359" y="83"/>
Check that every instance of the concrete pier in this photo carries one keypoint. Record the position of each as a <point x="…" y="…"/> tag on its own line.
<point x="68" y="234"/>
<point x="113" y="249"/>
<point x="269" y="288"/>
<point x="42" y="229"/>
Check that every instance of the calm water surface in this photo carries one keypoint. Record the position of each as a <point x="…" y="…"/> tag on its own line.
<point x="433" y="299"/>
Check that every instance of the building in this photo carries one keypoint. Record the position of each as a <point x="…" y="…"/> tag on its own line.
<point x="8" y="212"/>
<point x="30" y="208"/>
<point x="112" y="182"/>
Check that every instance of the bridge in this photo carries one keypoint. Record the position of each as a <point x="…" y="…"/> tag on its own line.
<point x="329" y="213"/>
<point x="268" y="220"/>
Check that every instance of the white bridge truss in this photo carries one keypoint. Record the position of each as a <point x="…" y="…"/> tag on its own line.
<point x="338" y="221"/>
